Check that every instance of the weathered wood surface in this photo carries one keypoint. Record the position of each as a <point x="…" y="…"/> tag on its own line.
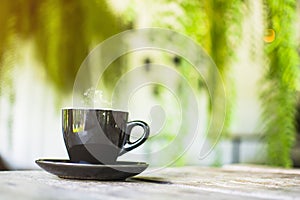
<point x="229" y="182"/>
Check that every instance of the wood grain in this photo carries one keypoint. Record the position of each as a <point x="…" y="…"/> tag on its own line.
<point x="230" y="182"/>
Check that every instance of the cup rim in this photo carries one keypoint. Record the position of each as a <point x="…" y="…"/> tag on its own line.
<point x="94" y="109"/>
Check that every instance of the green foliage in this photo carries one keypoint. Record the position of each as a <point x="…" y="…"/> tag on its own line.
<point x="63" y="32"/>
<point x="279" y="97"/>
<point x="225" y="20"/>
<point x="216" y="25"/>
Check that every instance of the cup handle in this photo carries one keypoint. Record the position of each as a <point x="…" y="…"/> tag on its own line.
<point x="128" y="146"/>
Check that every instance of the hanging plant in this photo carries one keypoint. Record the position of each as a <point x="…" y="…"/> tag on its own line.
<point x="224" y="19"/>
<point x="281" y="77"/>
<point x="63" y="33"/>
<point x="216" y="25"/>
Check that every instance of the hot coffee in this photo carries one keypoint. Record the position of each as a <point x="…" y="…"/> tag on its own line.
<point x="99" y="136"/>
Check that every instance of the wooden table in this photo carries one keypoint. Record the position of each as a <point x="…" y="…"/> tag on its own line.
<point x="229" y="182"/>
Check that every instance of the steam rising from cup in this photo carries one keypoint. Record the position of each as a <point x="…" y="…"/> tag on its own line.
<point x="94" y="98"/>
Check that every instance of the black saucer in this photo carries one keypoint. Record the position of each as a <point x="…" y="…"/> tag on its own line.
<point x="66" y="169"/>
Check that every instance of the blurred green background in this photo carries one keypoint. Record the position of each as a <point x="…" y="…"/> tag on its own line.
<point x="255" y="45"/>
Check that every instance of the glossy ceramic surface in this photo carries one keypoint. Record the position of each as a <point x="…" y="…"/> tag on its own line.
<point x="99" y="136"/>
<point x="66" y="169"/>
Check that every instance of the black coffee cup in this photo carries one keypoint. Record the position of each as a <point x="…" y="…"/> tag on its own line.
<point x="99" y="136"/>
